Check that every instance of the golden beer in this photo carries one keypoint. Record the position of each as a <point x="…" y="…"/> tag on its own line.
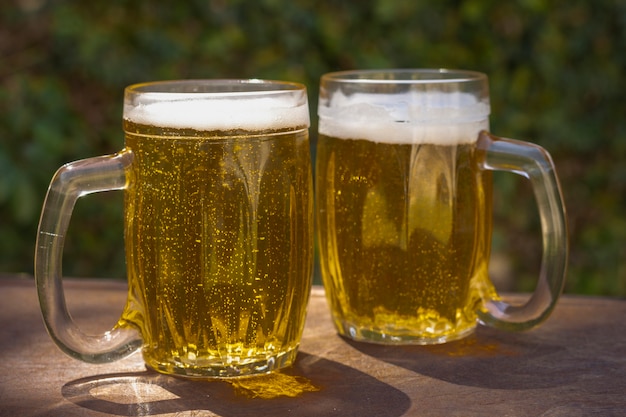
<point x="404" y="235"/>
<point x="218" y="238"/>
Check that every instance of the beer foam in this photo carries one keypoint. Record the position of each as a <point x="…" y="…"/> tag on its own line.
<point x="220" y="113"/>
<point x="412" y="117"/>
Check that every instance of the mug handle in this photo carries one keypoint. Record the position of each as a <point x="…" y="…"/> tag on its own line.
<point x="71" y="181"/>
<point x="534" y="163"/>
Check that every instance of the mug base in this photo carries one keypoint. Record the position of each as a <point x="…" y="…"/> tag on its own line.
<point x="399" y="337"/>
<point x="217" y="368"/>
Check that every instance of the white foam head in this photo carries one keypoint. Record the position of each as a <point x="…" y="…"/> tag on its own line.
<point x="219" y="111"/>
<point x="411" y="117"/>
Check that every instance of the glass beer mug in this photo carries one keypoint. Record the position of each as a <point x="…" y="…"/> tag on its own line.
<point x="218" y="207"/>
<point x="403" y="197"/>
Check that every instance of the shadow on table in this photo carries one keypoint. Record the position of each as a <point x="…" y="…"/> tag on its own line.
<point x="497" y="360"/>
<point x="319" y="387"/>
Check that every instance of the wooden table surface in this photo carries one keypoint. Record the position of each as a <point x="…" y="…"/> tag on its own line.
<point x="573" y="365"/>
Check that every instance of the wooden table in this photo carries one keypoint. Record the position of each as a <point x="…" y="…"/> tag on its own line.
<point x="573" y="365"/>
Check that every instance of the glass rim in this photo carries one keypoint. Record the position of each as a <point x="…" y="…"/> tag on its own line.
<point x="214" y="87"/>
<point x="218" y="104"/>
<point x="405" y="76"/>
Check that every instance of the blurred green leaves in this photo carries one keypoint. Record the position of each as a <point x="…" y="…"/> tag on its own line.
<point x="557" y="78"/>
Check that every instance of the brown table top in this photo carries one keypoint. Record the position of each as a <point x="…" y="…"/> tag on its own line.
<point x="572" y="365"/>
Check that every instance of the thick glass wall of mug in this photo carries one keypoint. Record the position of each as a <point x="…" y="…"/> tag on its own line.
<point x="404" y="211"/>
<point x="218" y="237"/>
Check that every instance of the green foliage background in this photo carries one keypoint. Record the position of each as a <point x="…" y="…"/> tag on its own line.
<point x="557" y="77"/>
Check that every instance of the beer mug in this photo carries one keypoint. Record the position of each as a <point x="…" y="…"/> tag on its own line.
<point x="218" y="229"/>
<point x="404" y="195"/>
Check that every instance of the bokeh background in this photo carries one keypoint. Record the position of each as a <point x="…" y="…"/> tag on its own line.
<point x="557" y="75"/>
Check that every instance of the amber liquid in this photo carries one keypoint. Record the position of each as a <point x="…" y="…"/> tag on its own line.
<point x="219" y="248"/>
<point x="404" y="235"/>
